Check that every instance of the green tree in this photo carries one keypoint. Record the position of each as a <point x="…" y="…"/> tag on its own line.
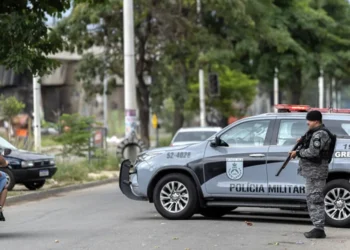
<point x="9" y="108"/>
<point x="317" y="39"/>
<point x="237" y="92"/>
<point x="157" y="23"/>
<point x="25" y="39"/>
<point x="75" y="135"/>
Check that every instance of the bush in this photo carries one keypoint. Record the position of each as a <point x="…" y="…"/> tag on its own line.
<point x="76" y="134"/>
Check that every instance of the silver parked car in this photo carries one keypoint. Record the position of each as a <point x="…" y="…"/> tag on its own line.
<point x="185" y="136"/>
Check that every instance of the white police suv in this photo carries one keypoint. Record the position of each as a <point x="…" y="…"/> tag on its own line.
<point x="237" y="168"/>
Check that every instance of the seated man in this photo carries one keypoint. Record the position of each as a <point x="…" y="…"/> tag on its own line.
<point x="3" y="187"/>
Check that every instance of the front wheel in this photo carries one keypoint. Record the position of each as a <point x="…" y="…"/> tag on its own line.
<point x="175" y="197"/>
<point x="337" y="203"/>
<point x="34" y="185"/>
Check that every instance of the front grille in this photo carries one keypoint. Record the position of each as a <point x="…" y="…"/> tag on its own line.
<point x="39" y="164"/>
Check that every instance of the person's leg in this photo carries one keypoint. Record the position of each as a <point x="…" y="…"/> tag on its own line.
<point x="3" y="196"/>
<point x="315" y="203"/>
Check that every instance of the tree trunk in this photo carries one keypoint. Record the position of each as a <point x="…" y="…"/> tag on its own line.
<point x="178" y="117"/>
<point x="143" y="107"/>
<point x="296" y="87"/>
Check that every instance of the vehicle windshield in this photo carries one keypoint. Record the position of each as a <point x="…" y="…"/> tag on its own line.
<point x="193" y="136"/>
<point x="6" y="144"/>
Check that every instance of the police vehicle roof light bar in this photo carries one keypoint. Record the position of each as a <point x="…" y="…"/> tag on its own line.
<point x="305" y="108"/>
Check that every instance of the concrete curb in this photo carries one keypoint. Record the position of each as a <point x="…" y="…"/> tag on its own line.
<point x="52" y="192"/>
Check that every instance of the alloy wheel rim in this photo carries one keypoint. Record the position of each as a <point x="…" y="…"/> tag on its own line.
<point x="174" y="196"/>
<point x="337" y="204"/>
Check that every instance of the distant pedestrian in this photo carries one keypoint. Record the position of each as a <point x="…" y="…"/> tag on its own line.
<point x="314" y="157"/>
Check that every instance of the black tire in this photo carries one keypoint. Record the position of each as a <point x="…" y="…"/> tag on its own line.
<point x="215" y="212"/>
<point x="192" y="204"/>
<point x="11" y="182"/>
<point x="342" y="184"/>
<point x="34" y="185"/>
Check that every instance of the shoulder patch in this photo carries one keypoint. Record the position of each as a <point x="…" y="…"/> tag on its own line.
<point x="317" y="143"/>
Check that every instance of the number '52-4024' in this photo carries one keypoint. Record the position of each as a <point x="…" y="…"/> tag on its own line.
<point x="171" y="155"/>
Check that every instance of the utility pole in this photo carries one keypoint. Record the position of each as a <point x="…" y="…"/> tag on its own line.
<point x="129" y="75"/>
<point x="202" y="97"/>
<point x="105" y="85"/>
<point x="201" y="80"/>
<point x="334" y="96"/>
<point x="36" y="109"/>
<point x="320" y="89"/>
<point x="105" y="102"/>
<point x="275" y="89"/>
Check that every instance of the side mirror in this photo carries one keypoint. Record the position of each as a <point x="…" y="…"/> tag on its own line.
<point x="216" y="142"/>
<point x="5" y="152"/>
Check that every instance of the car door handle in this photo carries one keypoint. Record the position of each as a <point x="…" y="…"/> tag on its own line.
<point x="257" y="155"/>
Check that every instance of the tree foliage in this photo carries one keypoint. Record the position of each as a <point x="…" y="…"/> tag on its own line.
<point x="25" y="39"/>
<point x="10" y="107"/>
<point x="75" y="135"/>
<point x="243" y="40"/>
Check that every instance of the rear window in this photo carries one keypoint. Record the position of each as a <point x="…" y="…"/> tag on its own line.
<point x="340" y="128"/>
<point x="193" y="136"/>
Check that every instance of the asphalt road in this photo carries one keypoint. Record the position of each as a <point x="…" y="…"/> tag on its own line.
<point x="102" y="218"/>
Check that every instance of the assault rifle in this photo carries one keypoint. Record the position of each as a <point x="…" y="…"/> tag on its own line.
<point x="288" y="158"/>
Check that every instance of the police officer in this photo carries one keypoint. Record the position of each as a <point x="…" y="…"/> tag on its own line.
<point x="313" y="165"/>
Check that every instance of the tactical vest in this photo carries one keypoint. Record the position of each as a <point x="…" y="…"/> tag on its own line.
<point x="324" y="154"/>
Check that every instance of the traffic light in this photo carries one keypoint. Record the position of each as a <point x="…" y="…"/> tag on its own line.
<point x="214" y="86"/>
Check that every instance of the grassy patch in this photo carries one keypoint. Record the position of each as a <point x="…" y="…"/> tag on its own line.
<point x="68" y="171"/>
<point x="48" y="141"/>
<point x="165" y="141"/>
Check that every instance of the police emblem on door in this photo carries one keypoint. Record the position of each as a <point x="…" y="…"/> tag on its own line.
<point x="234" y="168"/>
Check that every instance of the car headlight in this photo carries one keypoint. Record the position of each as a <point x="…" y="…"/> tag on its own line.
<point x="27" y="164"/>
<point x="52" y="162"/>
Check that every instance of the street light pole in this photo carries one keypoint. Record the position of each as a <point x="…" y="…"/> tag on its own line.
<point x="129" y="74"/>
<point x="201" y="81"/>
<point x="320" y="89"/>
<point x="275" y="89"/>
<point x="36" y="110"/>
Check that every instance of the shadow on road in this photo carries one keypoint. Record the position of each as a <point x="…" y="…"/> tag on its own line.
<point x="14" y="235"/>
<point x="283" y="217"/>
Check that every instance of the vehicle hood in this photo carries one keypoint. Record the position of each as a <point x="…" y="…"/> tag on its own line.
<point x="185" y="143"/>
<point x="28" y="156"/>
<point x="164" y="149"/>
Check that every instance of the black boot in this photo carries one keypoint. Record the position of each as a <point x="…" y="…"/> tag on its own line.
<point x="316" y="234"/>
<point x="2" y="218"/>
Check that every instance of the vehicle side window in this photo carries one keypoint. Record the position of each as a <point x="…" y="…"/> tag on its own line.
<point x="247" y="134"/>
<point x="340" y="128"/>
<point x="289" y="131"/>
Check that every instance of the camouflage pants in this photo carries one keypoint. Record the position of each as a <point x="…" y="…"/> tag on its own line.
<point x="315" y="201"/>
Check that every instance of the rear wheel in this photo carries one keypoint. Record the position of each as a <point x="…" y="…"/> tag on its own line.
<point x="337" y="203"/>
<point x="34" y="185"/>
<point x="175" y="197"/>
<point x="215" y="212"/>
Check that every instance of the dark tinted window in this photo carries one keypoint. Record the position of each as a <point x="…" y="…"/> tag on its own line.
<point x="193" y="136"/>
<point x="340" y="128"/>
